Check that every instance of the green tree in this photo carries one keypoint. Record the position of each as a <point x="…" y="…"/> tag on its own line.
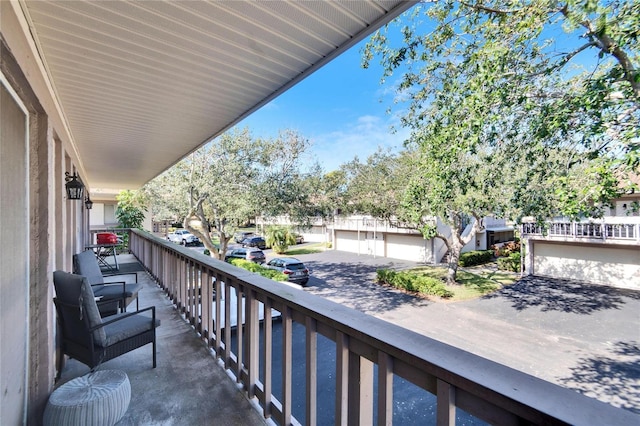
<point x="131" y="209"/>
<point x="284" y="180"/>
<point x="376" y="187"/>
<point x="485" y="90"/>
<point x="279" y="238"/>
<point x="230" y="180"/>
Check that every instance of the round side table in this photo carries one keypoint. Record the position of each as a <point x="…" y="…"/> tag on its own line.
<point x="99" y="398"/>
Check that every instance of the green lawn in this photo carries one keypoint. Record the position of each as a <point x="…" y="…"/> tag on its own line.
<point x="471" y="285"/>
<point x="308" y="249"/>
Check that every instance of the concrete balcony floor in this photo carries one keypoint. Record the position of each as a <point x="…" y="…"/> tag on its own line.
<point x="188" y="386"/>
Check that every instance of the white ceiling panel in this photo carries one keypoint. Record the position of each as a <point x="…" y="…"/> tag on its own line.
<point x="143" y="83"/>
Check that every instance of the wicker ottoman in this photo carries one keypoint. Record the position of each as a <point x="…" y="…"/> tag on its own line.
<point x="99" y="398"/>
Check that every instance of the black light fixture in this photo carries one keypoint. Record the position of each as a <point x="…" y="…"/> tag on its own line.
<point x="74" y="186"/>
<point x="88" y="203"/>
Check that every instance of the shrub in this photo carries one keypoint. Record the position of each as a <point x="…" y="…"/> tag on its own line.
<point x="384" y="275"/>
<point x="476" y="257"/>
<point x="506" y="249"/>
<point x="413" y="282"/>
<point x="510" y="263"/>
<point x="258" y="269"/>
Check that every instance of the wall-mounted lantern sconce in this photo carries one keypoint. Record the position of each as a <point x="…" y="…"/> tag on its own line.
<point x="88" y="203"/>
<point x="73" y="186"/>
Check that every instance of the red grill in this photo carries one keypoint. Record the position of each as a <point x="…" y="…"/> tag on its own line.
<point x="107" y="238"/>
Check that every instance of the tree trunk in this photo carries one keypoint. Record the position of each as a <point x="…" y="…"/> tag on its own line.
<point x="197" y="213"/>
<point x="454" y="256"/>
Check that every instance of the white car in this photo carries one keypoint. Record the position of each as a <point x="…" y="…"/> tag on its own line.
<point x="184" y="237"/>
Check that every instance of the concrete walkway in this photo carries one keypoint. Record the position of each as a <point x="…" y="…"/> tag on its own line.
<point x="188" y="386"/>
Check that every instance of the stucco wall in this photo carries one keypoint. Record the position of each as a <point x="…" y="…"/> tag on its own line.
<point x="41" y="228"/>
<point x="14" y="259"/>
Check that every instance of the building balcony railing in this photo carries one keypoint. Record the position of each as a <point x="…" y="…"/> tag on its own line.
<point x="368" y="224"/>
<point x="612" y="230"/>
<point x="367" y="353"/>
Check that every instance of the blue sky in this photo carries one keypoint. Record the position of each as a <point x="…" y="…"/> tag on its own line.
<point x="338" y="108"/>
<point x="341" y="108"/>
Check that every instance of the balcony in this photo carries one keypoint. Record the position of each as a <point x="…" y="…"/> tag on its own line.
<point x="609" y="230"/>
<point x="188" y="386"/>
<point x="198" y="345"/>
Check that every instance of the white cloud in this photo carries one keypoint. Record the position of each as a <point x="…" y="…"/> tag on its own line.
<point x="360" y="138"/>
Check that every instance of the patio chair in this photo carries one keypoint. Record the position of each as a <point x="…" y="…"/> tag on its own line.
<point x="88" y="337"/>
<point x="120" y="293"/>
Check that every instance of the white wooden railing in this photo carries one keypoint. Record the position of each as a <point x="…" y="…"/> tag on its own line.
<point x="458" y="379"/>
<point x="614" y="230"/>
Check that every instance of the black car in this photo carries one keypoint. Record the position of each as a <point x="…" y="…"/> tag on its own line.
<point x="254" y="242"/>
<point x="290" y="266"/>
<point x="240" y="236"/>
<point x="250" y="254"/>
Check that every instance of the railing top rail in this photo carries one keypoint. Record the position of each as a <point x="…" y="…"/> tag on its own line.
<point x="518" y="392"/>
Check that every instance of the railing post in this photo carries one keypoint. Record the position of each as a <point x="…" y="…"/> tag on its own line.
<point x="253" y="342"/>
<point x="342" y="378"/>
<point x="206" y="305"/>
<point x="267" y="357"/>
<point x="446" y="411"/>
<point x="360" y="390"/>
<point x="312" y="370"/>
<point x="239" y="333"/>
<point x="217" y="328"/>
<point x="227" y="324"/>
<point x="287" y="344"/>
<point x="385" y="389"/>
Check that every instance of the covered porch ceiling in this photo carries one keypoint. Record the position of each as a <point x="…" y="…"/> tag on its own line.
<point x="142" y="84"/>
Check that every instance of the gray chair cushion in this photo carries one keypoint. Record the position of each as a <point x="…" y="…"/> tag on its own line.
<point x="75" y="290"/>
<point x="85" y="263"/>
<point x="127" y="327"/>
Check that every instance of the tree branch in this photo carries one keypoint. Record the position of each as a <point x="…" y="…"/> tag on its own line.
<point x="490" y="9"/>
<point x="607" y="45"/>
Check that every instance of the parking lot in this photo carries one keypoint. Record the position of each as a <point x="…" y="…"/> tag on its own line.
<point x="585" y="337"/>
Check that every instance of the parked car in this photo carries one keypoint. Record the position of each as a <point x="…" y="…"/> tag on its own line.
<point x="184" y="237"/>
<point x="240" y="236"/>
<point x="254" y="242"/>
<point x="299" y="238"/>
<point x="248" y="253"/>
<point x="293" y="268"/>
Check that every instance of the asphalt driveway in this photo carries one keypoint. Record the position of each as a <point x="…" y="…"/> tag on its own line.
<point x="584" y="337"/>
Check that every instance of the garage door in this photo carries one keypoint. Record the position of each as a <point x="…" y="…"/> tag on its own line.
<point x="618" y="266"/>
<point x="408" y="247"/>
<point x="348" y="241"/>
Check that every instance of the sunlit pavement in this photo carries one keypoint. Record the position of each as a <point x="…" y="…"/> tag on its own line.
<point x="580" y="336"/>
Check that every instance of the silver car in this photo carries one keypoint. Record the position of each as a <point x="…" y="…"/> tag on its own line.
<point x="249" y="253"/>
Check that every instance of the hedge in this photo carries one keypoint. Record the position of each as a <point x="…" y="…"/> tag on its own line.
<point x="476" y="257"/>
<point x="413" y="282"/>
<point x="259" y="269"/>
